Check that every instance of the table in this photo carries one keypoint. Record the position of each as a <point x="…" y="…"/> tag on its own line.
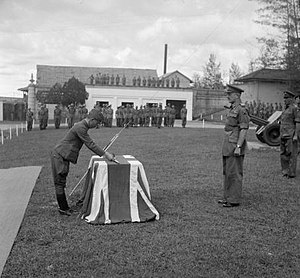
<point x="116" y="193"/>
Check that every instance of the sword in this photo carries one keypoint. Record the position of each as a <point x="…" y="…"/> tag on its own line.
<point x="112" y="140"/>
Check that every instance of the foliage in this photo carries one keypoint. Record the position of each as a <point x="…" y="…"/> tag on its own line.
<point x="55" y="94"/>
<point x="283" y="50"/>
<point x="73" y="91"/>
<point x="197" y="80"/>
<point x="235" y="72"/>
<point x="195" y="236"/>
<point x="271" y="55"/>
<point x="212" y="77"/>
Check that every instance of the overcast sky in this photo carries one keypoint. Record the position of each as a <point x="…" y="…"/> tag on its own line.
<point x="123" y="33"/>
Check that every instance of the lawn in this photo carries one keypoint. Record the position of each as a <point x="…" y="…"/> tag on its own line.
<point x="195" y="237"/>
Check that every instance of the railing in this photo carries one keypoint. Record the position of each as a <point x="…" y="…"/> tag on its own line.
<point x="9" y="131"/>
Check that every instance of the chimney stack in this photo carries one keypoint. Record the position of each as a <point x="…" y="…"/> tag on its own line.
<point x="165" y="60"/>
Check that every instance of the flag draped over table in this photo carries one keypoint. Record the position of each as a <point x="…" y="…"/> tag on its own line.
<point x="116" y="193"/>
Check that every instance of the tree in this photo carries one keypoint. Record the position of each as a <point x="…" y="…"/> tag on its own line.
<point x="212" y="77"/>
<point x="73" y="91"/>
<point x="235" y="72"/>
<point x="271" y="54"/>
<point x="55" y="94"/>
<point x="283" y="15"/>
<point x="197" y="80"/>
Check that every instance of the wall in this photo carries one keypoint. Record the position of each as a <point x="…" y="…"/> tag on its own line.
<point x="270" y="92"/>
<point x="207" y="101"/>
<point x="138" y="95"/>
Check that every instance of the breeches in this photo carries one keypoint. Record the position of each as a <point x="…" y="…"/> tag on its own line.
<point x="60" y="171"/>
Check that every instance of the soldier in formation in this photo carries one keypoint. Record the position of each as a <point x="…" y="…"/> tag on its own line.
<point x="82" y="112"/>
<point x="71" y="115"/>
<point x="29" y="119"/>
<point x="261" y="109"/>
<point x="43" y="117"/>
<point x="57" y="116"/>
<point x="183" y="114"/>
<point x="289" y="130"/>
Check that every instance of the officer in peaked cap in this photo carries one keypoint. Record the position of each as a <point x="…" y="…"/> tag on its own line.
<point x="233" y="89"/>
<point x="67" y="150"/>
<point x="234" y="145"/>
<point x="289" y="129"/>
<point x="288" y="94"/>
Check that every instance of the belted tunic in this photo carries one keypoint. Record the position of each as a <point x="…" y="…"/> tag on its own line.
<point x="237" y="119"/>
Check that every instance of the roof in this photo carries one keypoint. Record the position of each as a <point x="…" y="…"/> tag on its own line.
<point x="267" y="75"/>
<point x="11" y="99"/>
<point x="47" y="75"/>
<point x="166" y="75"/>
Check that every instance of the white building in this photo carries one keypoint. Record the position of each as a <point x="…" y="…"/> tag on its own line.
<point x="116" y="86"/>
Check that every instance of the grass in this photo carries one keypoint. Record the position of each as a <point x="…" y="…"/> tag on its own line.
<point x="195" y="236"/>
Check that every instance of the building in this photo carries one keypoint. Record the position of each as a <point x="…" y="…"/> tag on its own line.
<point x="12" y="109"/>
<point x="116" y="86"/>
<point x="265" y="85"/>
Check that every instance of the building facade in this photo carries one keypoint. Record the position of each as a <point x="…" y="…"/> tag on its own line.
<point x="265" y="85"/>
<point x="116" y="86"/>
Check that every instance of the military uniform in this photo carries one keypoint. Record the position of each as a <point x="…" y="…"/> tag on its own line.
<point x="237" y="119"/>
<point x="57" y="116"/>
<point x="71" y="115"/>
<point x="159" y="114"/>
<point x="109" y="113"/>
<point x="66" y="151"/>
<point x="42" y="117"/>
<point x="183" y="113"/>
<point x="289" y="120"/>
<point x="29" y="119"/>
<point x="118" y="116"/>
<point x="172" y="116"/>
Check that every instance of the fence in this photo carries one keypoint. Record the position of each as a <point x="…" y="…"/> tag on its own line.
<point x="9" y="131"/>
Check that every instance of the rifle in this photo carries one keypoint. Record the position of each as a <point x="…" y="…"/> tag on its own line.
<point x="112" y="140"/>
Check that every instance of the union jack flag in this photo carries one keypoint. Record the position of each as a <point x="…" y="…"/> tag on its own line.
<point x="117" y="192"/>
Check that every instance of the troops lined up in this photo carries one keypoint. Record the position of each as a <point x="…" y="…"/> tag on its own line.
<point x="261" y="109"/>
<point x="111" y="80"/>
<point x="143" y="116"/>
<point x="126" y="115"/>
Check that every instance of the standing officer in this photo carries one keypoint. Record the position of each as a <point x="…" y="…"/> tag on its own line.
<point x="71" y="115"/>
<point x="183" y="113"/>
<point x="172" y="116"/>
<point x="289" y="129"/>
<point x="109" y="113"/>
<point x="42" y="117"/>
<point x="159" y="114"/>
<point x="85" y="111"/>
<point x="29" y="119"/>
<point x="57" y="116"/>
<point x="234" y="145"/>
<point x="67" y="150"/>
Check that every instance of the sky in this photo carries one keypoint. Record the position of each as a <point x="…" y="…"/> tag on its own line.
<point x="124" y="34"/>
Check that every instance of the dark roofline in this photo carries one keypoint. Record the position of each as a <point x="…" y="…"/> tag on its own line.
<point x="169" y="73"/>
<point x="268" y="75"/>
<point x="52" y="66"/>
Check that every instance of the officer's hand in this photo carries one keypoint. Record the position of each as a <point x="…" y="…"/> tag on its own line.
<point x="109" y="156"/>
<point x="237" y="151"/>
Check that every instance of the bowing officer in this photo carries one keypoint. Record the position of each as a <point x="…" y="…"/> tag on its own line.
<point x="67" y="150"/>
<point x="234" y="146"/>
